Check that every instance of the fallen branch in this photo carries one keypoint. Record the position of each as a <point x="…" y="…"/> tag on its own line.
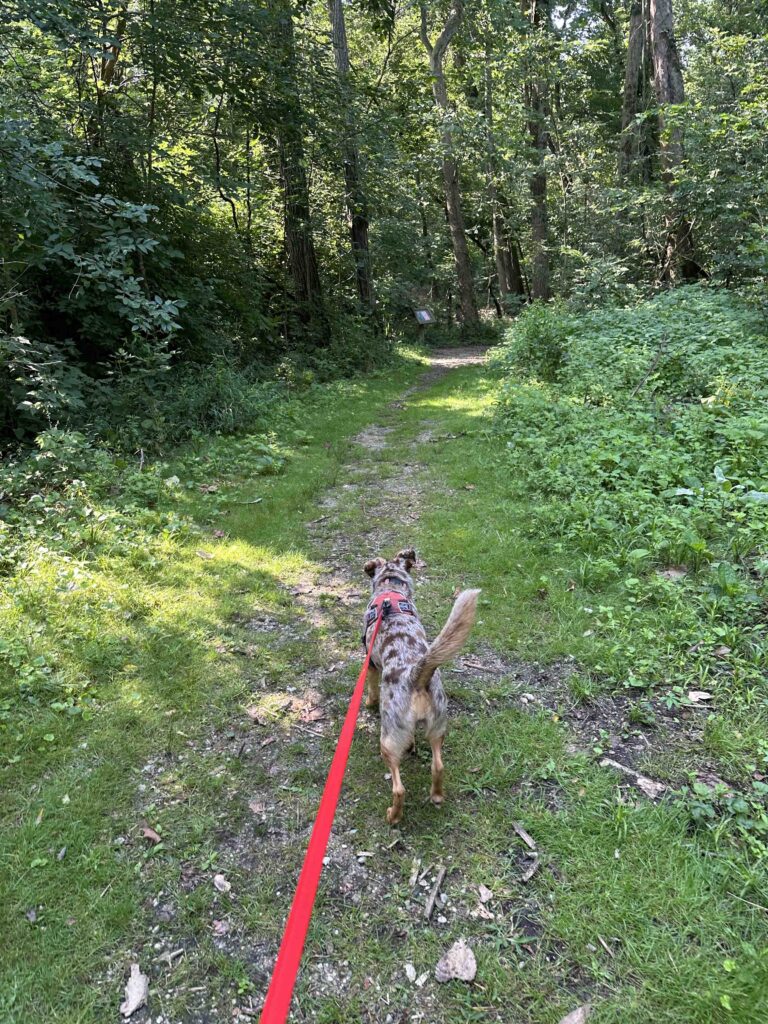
<point x="433" y="895"/>
<point x="652" y="789"/>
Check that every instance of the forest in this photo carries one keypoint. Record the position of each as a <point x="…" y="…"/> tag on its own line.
<point x="199" y="197"/>
<point x="218" y="222"/>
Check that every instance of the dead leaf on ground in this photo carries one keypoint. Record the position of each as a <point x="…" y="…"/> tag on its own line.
<point x="470" y="487"/>
<point x="209" y="488"/>
<point x="673" y="572"/>
<point x="578" y="1016"/>
<point x="721" y="651"/>
<point x="221" y="927"/>
<point x="149" y="833"/>
<point x="31" y="915"/>
<point x="221" y="884"/>
<point x="256" y="715"/>
<point x="458" y="963"/>
<point x="136" y="991"/>
<point x="485" y="893"/>
<point x="203" y="554"/>
<point x="410" y="973"/>
<point x="257" y="806"/>
<point x="218" y="534"/>
<point x="697" y="696"/>
<point x="312" y="715"/>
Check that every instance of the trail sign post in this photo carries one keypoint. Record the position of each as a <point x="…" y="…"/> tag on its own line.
<point x="424" y="318"/>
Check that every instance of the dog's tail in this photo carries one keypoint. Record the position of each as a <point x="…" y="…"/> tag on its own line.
<point x="450" y="640"/>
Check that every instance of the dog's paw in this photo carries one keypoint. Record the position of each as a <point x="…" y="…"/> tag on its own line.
<point x="436" y="798"/>
<point x="392" y="816"/>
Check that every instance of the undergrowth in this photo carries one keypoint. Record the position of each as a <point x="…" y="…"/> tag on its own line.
<point x="643" y="435"/>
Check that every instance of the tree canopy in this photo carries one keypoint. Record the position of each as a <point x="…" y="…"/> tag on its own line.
<point x="275" y="184"/>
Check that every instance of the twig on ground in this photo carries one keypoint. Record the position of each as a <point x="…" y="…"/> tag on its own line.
<point x="757" y="906"/>
<point x="305" y="728"/>
<point x="605" y="946"/>
<point x="520" y="831"/>
<point x="425" y="872"/>
<point x="433" y="895"/>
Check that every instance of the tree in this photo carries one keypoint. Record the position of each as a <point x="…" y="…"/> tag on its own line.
<point x="450" y="169"/>
<point x="679" y="257"/>
<point x="636" y="49"/>
<point x="536" y="100"/>
<point x="354" y="197"/>
<point x="299" y="237"/>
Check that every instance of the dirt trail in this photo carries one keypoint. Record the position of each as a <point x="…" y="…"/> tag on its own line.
<point x="376" y="501"/>
<point x="379" y="497"/>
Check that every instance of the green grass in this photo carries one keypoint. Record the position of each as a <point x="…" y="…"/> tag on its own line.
<point x="142" y="629"/>
<point x="682" y="909"/>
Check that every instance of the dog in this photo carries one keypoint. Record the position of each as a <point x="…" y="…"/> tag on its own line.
<point x="403" y="678"/>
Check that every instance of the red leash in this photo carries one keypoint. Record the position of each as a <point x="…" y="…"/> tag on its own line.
<point x="278" y="1001"/>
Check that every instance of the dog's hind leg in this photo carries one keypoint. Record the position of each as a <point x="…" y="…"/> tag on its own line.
<point x="372" y="693"/>
<point x="395" y="812"/>
<point x="436" y="794"/>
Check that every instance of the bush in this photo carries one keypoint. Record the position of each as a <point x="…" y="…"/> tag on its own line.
<point x="538" y="339"/>
<point x="648" y="461"/>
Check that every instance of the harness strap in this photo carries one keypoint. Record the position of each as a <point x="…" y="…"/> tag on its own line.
<point x="390" y="602"/>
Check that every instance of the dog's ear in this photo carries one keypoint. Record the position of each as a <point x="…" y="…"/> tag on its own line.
<point x="409" y="557"/>
<point x="371" y="567"/>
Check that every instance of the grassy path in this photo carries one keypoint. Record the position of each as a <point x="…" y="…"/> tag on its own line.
<point x="220" y="733"/>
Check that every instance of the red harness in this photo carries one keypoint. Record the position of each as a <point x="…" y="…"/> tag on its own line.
<point x="391" y="602"/>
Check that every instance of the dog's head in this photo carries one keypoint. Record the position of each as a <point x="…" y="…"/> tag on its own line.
<point x="394" y="573"/>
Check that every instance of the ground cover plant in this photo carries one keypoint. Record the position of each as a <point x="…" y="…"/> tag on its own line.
<point x="643" y="434"/>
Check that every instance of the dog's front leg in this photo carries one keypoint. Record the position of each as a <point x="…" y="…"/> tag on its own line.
<point x="392" y="759"/>
<point x="372" y="693"/>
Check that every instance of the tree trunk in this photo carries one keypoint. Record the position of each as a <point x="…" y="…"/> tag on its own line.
<point x="299" y="240"/>
<point x="509" y="281"/>
<point x="516" y="275"/>
<point x="354" y="199"/>
<point x="536" y="90"/>
<point x="679" y="260"/>
<point x="450" y="168"/>
<point x="107" y="74"/>
<point x="630" y="143"/>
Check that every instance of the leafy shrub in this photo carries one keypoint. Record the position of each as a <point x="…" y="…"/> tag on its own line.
<point x="538" y="339"/>
<point x="648" y="459"/>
